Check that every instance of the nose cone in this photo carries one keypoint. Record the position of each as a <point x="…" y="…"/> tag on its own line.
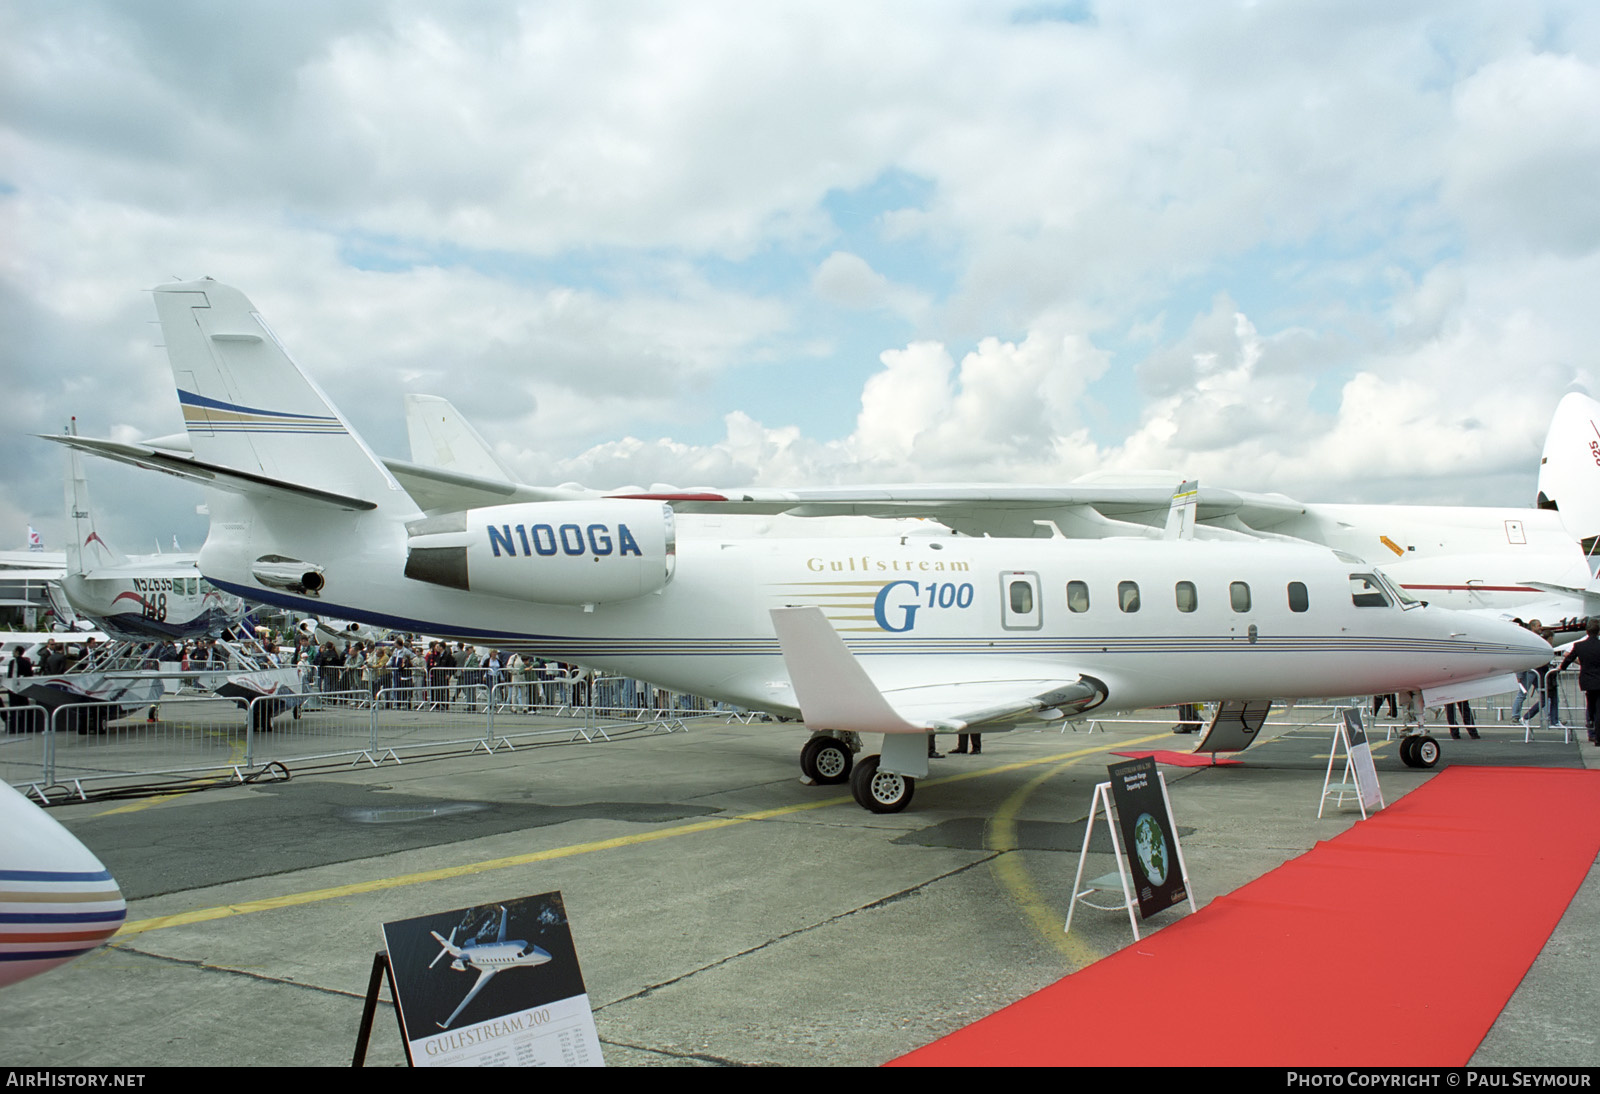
<point x="57" y="901"/>
<point x="1497" y="645"/>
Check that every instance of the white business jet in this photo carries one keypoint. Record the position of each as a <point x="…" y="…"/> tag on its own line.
<point x="902" y="635"/>
<point x="488" y="958"/>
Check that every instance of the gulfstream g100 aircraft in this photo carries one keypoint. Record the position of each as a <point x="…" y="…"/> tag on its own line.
<point x="902" y="636"/>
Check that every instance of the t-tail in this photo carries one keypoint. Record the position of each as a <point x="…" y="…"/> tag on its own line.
<point x="1569" y="470"/>
<point x="248" y="407"/>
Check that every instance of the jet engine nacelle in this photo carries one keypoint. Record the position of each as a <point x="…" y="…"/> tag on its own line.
<point x="552" y="552"/>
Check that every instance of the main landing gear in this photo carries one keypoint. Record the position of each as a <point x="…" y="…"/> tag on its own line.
<point x="829" y="758"/>
<point x="880" y="791"/>
<point x="1419" y="751"/>
<point x="826" y="760"/>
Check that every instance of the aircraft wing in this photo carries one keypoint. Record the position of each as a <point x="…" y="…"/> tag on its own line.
<point x="1087" y="510"/>
<point x="454" y="468"/>
<point x="835" y="692"/>
<point x="213" y="475"/>
<point x="484" y="976"/>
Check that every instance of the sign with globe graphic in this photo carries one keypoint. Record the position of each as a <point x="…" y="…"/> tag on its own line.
<point x="1148" y="839"/>
<point x="1150" y="846"/>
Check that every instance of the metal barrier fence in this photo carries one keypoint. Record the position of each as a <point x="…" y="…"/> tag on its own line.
<point x="189" y="739"/>
<point x="193" y="738"/>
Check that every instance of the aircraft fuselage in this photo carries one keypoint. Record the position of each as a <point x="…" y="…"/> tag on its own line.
<point x="1260" y="620"/>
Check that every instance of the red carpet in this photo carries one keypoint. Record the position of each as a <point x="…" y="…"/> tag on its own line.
<point x="1395" y="944"/>
<point x="1180" y="759"/>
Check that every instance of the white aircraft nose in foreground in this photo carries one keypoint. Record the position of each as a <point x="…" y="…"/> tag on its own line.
<point x="57" y="901"/>
<point x="902" y="636"/>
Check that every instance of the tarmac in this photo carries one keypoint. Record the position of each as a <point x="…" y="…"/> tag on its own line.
<point x="724" y="913"/>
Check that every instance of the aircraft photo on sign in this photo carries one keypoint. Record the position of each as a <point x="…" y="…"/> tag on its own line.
<point x="492" y="985"/>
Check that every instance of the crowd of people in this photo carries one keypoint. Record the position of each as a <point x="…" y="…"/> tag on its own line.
<point x="443" y="676"/>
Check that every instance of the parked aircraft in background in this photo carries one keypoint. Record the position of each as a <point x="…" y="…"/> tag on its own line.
<point x="1569" y="471"/>
<point x="324" y="630"/>
<point x="57" y="901"/>
<point x="1524" y="561"/>
<point x="138" y="599"/>
<point x="945" y="632"/>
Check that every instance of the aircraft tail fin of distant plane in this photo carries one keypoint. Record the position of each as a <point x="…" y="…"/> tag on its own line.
<point x="86" y="549"/>
<point x="1569" y="470"/>
<point x="59" y="604"/>
<point x="250" y="412"/>
<point x="1180" y="518"/>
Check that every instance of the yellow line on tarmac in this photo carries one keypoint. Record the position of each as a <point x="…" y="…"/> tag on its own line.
<point x="237" y="757"/>
<point x="314" y="896"/>
<point x="1001" y="835"/>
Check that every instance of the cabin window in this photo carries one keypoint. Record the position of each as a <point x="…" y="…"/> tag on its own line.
<point x="1299" y="601"/>
<point x="1128" y="595"/>
<point x="192" y="585"/>
<point x="1021" y="597"/>
<point x="1366" y="591"/>
<point x="1077" y="596"/>
<point x="1185" y="594"/>
<point x="1239" y="596"/>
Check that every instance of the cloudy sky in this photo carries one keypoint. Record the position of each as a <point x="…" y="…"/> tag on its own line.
<point x="1345" y="250"/>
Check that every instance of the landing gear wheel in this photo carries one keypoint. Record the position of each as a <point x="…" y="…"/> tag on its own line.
<point x="826" y="760"/>
<point x="1426" y="752"/>
<point x="1408" y="751"/>
<point x="879" y="791"/>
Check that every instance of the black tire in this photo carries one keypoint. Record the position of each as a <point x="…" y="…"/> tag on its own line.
<point x="1408" y="755"/>
<point x="1426" y="753"/>
<point x="880" y="792"/>
<point x="261" y="715"/>
<point x="826" y="760"/>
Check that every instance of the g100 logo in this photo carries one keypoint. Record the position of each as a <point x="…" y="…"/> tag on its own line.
<point x="898" y="602"/>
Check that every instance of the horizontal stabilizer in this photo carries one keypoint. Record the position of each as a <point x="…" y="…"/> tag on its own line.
<point x="221" y="478"/>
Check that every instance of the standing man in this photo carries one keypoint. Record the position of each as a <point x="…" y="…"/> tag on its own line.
<point x="1587" y="654"/>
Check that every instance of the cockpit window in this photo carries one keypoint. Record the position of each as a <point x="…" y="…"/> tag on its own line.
<point x="1366" y="591"/>
<point x="1398" y="592"/>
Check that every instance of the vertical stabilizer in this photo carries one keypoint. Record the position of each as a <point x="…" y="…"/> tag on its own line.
<point x="246" y="404"/>
<point x="86" y="549"/>
<point x="1180" y="518"/>
<point x="1569" y="472"/>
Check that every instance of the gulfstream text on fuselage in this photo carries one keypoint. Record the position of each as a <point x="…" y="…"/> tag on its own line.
<point x="866" y="563"/>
